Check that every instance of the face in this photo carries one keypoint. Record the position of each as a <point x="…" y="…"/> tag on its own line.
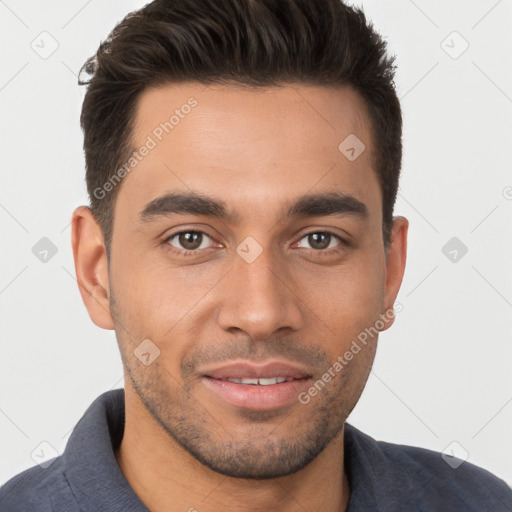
<point x="246" y="244"/>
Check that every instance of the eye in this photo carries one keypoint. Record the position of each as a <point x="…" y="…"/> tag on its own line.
<point x="188" y="241"/>
<point x="321" y="240"/>
<point x="192" y="241"/>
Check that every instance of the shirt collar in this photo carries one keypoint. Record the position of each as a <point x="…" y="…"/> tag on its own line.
<point x="89" y="461"/>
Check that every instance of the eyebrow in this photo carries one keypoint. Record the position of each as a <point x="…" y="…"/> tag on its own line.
<point x="309" y="205"/>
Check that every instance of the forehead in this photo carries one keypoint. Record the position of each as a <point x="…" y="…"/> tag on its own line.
<point x="252" y="146"/>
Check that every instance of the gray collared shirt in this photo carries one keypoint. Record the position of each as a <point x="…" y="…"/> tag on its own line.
<point x="382" y="476"/>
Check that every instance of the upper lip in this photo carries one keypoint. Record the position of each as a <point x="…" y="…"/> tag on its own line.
<point x="244" y="370"/>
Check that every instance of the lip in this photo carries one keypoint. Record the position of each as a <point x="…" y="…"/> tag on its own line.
<point x="256" y="397"/>
<point x="245" y="370"/>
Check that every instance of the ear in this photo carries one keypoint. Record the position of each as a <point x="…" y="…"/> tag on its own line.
<point x="396" y="255"/>
<point x="91" y="266"/>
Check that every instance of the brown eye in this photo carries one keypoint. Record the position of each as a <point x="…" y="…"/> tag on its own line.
<point x="321" y="240"/>
<point x="188" y="240"/>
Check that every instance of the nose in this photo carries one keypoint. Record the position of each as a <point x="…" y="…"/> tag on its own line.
<point x="260" y="298"/>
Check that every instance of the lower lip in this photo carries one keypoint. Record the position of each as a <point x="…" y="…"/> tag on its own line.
<point x="256" y="397"/>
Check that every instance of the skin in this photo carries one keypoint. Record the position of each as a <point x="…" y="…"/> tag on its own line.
<point x="258" y="151"/>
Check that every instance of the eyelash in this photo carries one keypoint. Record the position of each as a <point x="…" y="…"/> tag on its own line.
<point x="191" y="252"/>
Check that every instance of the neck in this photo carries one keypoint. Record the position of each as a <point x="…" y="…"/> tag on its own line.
<point x="167" y="478"/>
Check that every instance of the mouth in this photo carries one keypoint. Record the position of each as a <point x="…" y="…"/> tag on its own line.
<point x="256" y="394"/>
<point x="258" y="387"/>
<point x="264" y="381"/>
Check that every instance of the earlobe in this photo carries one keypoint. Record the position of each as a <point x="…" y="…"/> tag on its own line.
<point x="395" y="267"/>
<point x="91" y="266"/>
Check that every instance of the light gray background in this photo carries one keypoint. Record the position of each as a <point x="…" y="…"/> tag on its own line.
<point x="442" y="373"/>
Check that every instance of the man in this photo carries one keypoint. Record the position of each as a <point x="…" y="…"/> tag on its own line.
<point x="242" y="159"/>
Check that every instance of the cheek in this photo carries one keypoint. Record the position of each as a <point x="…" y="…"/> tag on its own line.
<point x="162" y="300"/>
<point x="348" y="298"/>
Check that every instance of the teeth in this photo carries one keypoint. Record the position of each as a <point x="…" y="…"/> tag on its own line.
<point x="261" y="382"/>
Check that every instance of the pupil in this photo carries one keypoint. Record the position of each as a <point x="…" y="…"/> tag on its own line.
<point x="314" y="240"/>
<point x="189" y="240"/>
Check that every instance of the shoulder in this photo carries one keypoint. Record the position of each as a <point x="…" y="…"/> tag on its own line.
<point x="429" y="479"/>
<point x="447" y="472"/>
<point x="36" y="489"/>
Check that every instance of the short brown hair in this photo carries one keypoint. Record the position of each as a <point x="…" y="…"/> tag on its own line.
<point x="251" y="42"/>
